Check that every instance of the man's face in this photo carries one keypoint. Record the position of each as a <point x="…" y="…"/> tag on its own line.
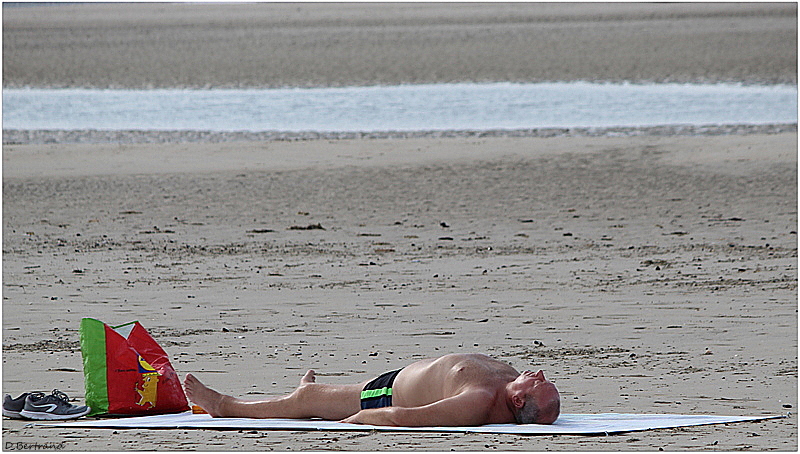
<point x="533" y="379"/>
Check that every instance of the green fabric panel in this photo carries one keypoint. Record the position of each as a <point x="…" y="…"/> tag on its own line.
<point x="93" y="351"/>
<point x="370" y="393"/>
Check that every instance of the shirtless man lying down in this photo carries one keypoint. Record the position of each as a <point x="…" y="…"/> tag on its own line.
<point x="452" y="390"/>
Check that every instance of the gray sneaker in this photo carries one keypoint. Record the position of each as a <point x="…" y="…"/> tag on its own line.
<point x="54" y="406"/>
<point x="12" y="407"/>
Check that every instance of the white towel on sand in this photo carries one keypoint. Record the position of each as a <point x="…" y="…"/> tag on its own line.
<point x="567" y="424"/>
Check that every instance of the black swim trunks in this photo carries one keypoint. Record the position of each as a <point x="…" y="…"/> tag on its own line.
<point x="378" y="392"/>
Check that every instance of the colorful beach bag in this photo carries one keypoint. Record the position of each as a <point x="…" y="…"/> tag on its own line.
<point x="126" y="372"/>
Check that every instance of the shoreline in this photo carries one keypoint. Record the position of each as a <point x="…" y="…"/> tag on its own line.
<point x="45" y="137"/>
<point x="743" y="81"/>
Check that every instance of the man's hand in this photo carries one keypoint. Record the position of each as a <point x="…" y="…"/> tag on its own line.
<point x="372" y="416"/>
<point x="352" y="419"/>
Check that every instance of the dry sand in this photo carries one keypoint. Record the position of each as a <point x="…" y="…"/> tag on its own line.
<point x="651" y="273"/>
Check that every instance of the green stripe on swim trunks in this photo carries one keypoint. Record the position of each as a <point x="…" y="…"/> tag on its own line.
<point x="370" y="393"/>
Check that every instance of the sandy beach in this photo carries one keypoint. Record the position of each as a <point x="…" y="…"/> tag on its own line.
<point x="649" y="272"/>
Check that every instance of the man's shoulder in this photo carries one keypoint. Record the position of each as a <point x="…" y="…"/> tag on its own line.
<point x="482" y="405"/>
<point x="478" y="395"/>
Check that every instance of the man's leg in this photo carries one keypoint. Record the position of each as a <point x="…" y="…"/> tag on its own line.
<point x="309" y="400"/>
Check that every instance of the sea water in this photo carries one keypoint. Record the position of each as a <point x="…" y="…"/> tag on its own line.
<point x="460" y="106"/>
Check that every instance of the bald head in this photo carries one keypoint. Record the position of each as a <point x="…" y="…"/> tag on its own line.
<point x="542" y="402"/>
<point x="549" y="408"/>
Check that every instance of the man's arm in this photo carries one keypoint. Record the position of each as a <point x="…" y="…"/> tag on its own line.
<point x="470" y="408"/>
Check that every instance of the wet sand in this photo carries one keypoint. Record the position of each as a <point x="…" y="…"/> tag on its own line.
<point x="644" y="272"/>
<point x="257" y="45"/>
<point x="671" y="290"/>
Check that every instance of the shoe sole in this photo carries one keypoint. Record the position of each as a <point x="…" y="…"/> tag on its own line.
<point x="12" y="414"/>
<point x="44" y="416"/>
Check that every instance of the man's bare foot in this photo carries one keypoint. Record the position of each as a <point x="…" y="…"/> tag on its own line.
<point x="210" y="400"/>
<point x="309" y="377"/>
